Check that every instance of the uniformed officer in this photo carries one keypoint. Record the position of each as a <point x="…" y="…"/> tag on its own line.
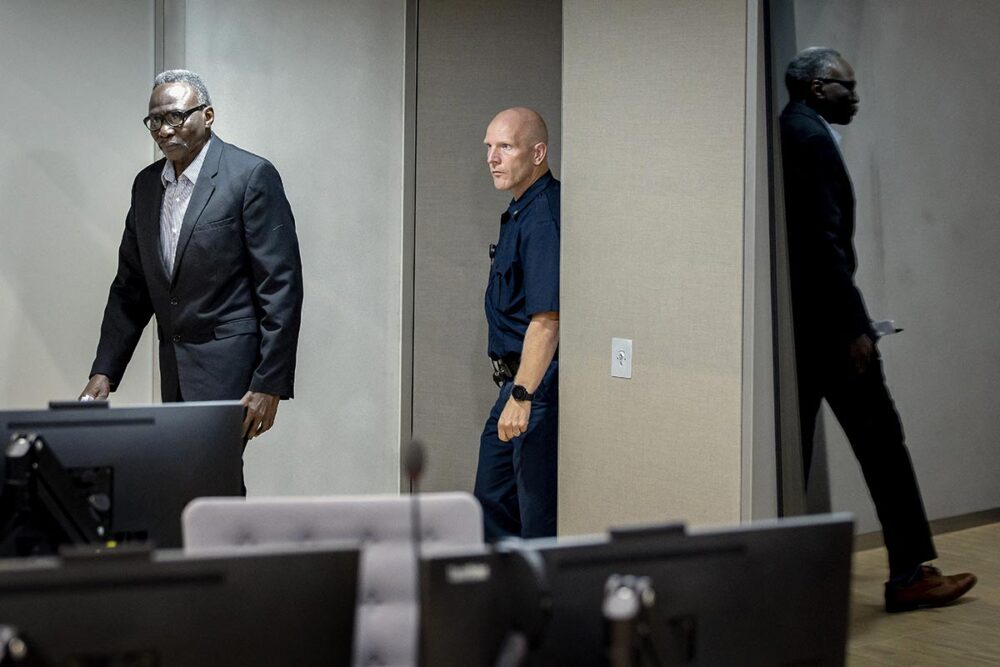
<point x="516" y="478"/>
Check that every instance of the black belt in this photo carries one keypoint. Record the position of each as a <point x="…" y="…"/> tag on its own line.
<point x="505" y="369"/>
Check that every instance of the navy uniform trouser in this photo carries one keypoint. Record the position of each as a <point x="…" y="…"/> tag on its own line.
<point x="865" y="410"/>
<point x="516" y="480"/>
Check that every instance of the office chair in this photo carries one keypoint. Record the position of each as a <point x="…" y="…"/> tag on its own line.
<point x="385" y="631"/>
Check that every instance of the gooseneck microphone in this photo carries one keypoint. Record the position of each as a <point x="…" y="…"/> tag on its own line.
<point x="413" y="463"/>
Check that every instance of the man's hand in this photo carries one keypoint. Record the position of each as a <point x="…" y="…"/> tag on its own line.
<point x="540" y="343"/>
<point x="99" y="388"/>
<point x="261" y="410"/>
<point x="513" y="420"/>
<point x="861" y="351"/>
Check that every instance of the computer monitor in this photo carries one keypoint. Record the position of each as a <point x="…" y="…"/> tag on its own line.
<point x="160" y="457"/>
<point x="251" y="607"/>
<point x="480" y="605"/>
<point x="772" y="592"/>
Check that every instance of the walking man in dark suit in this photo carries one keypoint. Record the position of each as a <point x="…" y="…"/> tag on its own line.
<point x="210" y="248"/>
<point x="836" y="354"/>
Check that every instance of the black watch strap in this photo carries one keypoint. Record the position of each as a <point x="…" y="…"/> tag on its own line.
<point x="521" y="394"/>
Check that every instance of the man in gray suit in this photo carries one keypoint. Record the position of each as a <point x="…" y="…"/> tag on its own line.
<point x="210" y="248"/>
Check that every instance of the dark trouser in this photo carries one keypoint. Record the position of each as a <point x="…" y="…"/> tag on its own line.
<point x="516" y="480"/>
<point x="172" y="394"/>
<point x="865" y="410"/>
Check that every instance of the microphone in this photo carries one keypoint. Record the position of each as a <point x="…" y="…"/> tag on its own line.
<point x="13" y="649"/>
<point x="413" y="463"/>
<point x="628" y="601"/>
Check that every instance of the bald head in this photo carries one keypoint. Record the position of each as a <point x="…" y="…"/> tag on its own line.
<point x="517" y="149"/>
<point x="527" y="122"/>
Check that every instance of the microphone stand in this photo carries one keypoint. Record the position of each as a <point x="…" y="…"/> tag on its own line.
<point x="413" y="462"/>
<point x="628" y="601"/>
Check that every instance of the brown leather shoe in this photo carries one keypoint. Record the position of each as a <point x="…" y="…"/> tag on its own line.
<point x="932" y="589"/>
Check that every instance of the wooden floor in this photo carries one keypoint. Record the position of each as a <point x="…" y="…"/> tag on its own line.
<point x="964" y="633"/>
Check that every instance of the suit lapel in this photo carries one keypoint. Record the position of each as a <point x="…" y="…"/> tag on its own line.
<point x="847" y="220"/>
<point x="807" y="111"/>
<point x="202" y="193"/>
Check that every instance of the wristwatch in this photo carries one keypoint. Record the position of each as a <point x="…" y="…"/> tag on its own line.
<point x="521" y="394"/>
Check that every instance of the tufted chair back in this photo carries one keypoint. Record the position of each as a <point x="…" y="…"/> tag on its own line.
<point x="385" y="629"/>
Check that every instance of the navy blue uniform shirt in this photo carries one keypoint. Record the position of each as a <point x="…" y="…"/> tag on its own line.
<point x="524" y="274"/>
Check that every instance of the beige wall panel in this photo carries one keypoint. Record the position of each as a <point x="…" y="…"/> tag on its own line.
<point x="76" y="82"/>
<point x="653" y="164"/>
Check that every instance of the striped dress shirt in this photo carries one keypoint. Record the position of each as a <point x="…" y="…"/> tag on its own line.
<point x="176" y="196"/>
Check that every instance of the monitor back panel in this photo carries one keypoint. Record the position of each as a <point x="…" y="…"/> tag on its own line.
<point x="257" y="609"/>
<point x="162" y="456"/>
<point x="776" y="594"/>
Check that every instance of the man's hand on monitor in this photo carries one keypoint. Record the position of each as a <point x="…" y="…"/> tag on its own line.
<point x="261" y="410"/>
<point x="98" y="389"/>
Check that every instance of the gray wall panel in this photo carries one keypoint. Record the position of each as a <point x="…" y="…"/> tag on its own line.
<point x="760" y="497"/>
<point x="922" y="154"/>
<point x="317" y="88"/>
<point x="76" y="84"/>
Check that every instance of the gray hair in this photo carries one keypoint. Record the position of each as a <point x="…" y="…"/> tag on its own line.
<point x="184" y="76"/>
<point x="812" y="63"/>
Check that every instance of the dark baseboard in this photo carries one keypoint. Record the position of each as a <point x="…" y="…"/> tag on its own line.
<point x="866" y="541"/>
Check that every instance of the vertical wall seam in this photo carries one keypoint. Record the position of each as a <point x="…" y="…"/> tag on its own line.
<point x="409" y="237"/>
<point x="749" y="267"/>
<point x="159" y="23"/>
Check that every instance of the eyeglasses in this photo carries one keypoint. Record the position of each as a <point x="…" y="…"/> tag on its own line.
<point x="172" y="118"/>
<point x="847" y="85"/>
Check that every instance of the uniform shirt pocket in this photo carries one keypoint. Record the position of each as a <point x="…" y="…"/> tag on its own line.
<point x="506" y="290"/>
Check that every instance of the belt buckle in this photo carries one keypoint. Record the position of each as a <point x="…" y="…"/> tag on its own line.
<point x="500" y="372"/>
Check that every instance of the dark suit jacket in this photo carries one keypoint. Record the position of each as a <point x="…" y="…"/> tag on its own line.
<point x="228" y="318"/>
<point x="819" y="212"/>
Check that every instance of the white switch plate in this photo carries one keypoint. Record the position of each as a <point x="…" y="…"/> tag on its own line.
<point x="621" y="358"/>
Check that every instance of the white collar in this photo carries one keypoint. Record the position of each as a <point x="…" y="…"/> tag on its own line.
<point x="191" y="173"/>
<point x="833" y="132"/>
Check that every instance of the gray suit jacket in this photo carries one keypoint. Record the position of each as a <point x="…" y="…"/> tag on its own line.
<point x="228" y="318"/>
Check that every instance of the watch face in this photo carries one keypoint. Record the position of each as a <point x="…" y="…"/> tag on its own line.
<point x="520" y="393"/>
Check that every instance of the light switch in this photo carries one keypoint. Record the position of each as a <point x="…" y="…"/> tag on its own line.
<point x="621" y="358"/>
